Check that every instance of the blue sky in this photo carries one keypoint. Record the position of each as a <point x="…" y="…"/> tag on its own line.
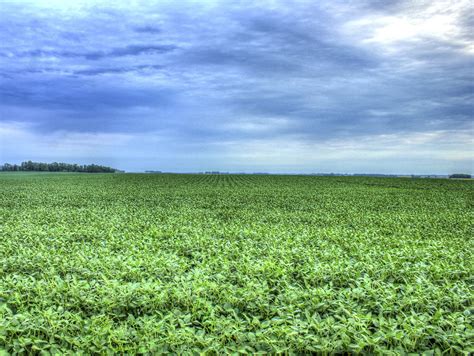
<point x="278" y="86"/>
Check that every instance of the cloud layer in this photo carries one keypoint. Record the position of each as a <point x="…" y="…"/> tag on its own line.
<point x="282" y="86"/>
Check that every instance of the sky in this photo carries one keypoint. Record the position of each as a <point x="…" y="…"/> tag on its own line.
<point x="241" y="86"/>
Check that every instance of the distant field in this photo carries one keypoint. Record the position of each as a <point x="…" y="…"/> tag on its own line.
<point x="130" y="263"/>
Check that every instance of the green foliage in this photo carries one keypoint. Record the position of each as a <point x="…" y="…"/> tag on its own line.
<point x="459" y="175"/>
<point x="30" y="166"/>
<point x="130" y="263"/>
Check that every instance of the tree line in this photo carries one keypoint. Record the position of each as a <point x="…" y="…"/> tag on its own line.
<point x="459" y="175"/>
<point x="30" y="166"/>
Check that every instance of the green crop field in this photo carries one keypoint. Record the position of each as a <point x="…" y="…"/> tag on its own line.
<point x="137" y="263"/>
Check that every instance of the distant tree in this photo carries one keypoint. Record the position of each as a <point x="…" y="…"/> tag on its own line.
<point x="56" y="167"/>
<point x="460" y="175"/>
<point x="7" y="167"/>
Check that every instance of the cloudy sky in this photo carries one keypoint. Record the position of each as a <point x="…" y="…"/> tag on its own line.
<point x="268" y="85"/>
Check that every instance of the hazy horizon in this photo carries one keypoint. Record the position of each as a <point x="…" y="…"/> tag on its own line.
<point x="268" y="86"/>
<point x="246" y="172"/>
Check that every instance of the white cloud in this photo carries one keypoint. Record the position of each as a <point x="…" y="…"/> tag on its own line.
<point x="255" y="125"/>
<point x="400" y="153"/>
<point x="22" y="141"/>
<point x="439" y="20"/>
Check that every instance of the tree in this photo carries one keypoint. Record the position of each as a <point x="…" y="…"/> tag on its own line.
<point x="56" y="167"/>
<point x="460" y="175"/>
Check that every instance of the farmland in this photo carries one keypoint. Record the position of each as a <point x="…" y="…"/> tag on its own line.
<point x="136" y="263"/>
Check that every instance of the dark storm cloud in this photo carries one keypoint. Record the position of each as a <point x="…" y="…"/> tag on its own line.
<point x="220" y="72"/>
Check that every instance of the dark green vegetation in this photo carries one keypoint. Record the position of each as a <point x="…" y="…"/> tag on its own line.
<point x="225" y="263"/>
<point x="465" y="176"/>
<point x="30" y="166"/>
